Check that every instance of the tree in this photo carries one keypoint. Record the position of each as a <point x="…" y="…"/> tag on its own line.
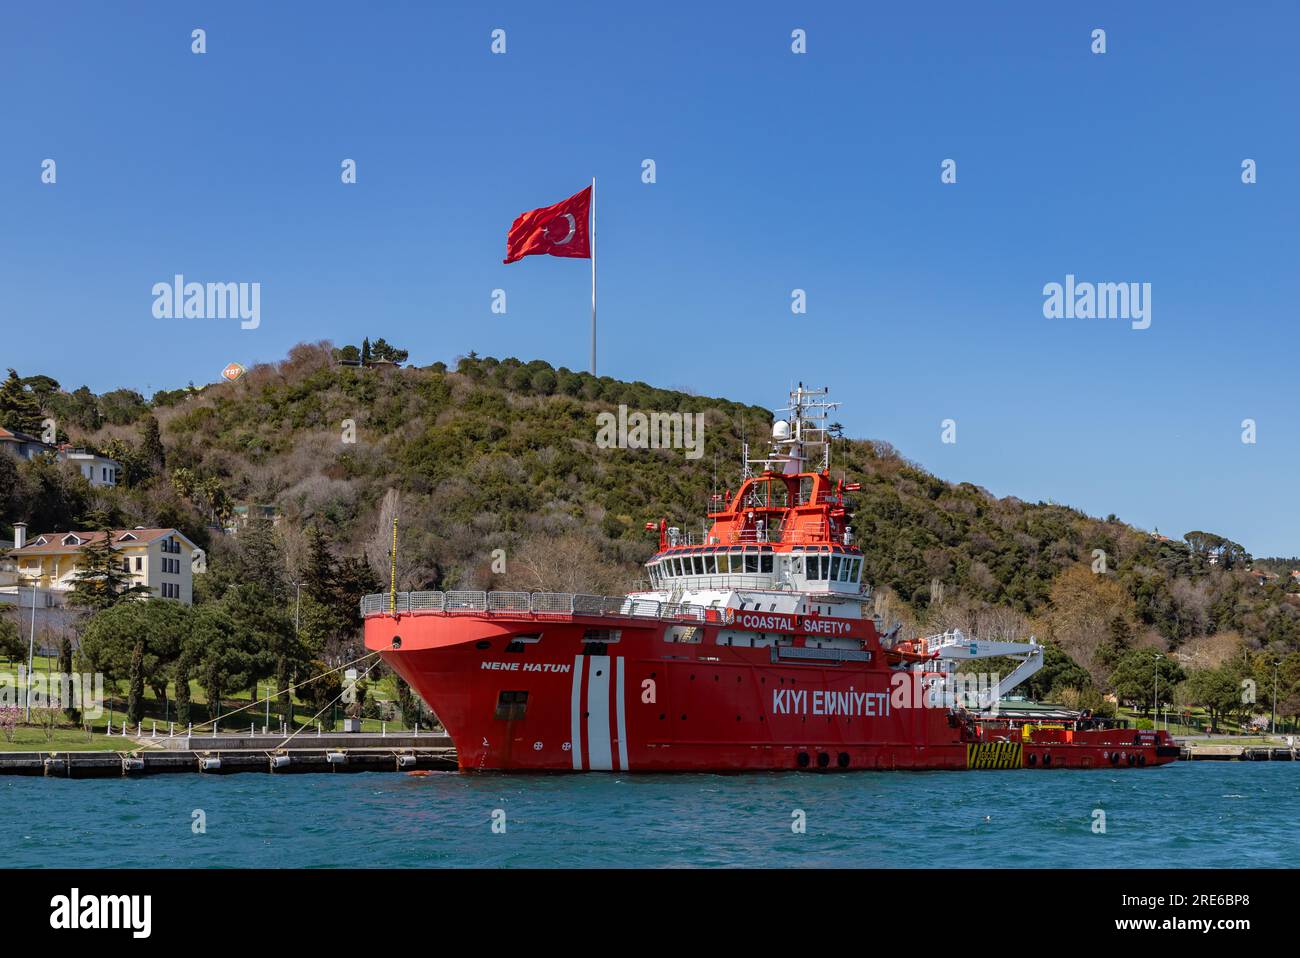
<point x="19" y="410"/>
<point x="1083" y="606"/>
<point x="65" y="667"/>
<point x="381" y="351"/>
<point x="1218" y="691"/>
<point x="56" y="494"/>
<point x="101" y="580"/>
<point x="1134" y="678"/>
<point x="1119" y="639"/>
<point x="136" y="641"/>
<point x="152" y="454"/>
<point x="366" y="355"/>
<point x="11" y="644"/>
<point x="223" y="654"/>
<point x="280" y="654"/>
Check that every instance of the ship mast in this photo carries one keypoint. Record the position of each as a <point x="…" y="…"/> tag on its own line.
<point x="804" y="427"/>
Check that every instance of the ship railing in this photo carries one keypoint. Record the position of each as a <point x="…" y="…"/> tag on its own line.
<point x="465" y="602"/>
<point x="535" y="603"/>
<point x="552" y="603"/>
<point x="508" y="602"/>
<point x="425" y="601"/>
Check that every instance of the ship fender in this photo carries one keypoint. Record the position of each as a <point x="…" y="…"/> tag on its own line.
<point x="1032" y="759"/>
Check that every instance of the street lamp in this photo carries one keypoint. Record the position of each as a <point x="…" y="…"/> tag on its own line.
<point x="1155" y="704"/>
<point x="31" y="651"/>
<point x="1273" y="723"/>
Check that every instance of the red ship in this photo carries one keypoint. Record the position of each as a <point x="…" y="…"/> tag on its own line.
<point x="751" y="649"/>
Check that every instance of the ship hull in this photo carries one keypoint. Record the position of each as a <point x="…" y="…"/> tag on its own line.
<point x="536" y="693"/>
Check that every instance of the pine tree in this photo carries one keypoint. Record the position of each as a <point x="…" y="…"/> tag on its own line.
<point x="365" y="352"/>
<point x="19" y="410"/>
<point x="65" y="667"/>
<point x="135" y="690"/>
<point x="101" y="580"/>
<point x="152" y="453"/>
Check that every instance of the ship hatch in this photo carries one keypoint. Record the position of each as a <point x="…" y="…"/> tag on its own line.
<point x="511" y="706"/>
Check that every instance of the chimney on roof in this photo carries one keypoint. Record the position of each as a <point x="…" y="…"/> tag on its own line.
<point x="20" y="534"/>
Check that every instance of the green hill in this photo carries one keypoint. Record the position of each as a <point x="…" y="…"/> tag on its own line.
<point x="502" y="455"/>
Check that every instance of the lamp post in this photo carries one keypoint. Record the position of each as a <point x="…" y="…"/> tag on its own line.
<point x="297" y="605"/>
<point x="31" y="651"/>
<point x="1155" y="704"/>
<point x="1273" y="722"/>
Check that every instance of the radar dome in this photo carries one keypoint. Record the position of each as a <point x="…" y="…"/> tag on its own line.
<point x="780" y="430"/>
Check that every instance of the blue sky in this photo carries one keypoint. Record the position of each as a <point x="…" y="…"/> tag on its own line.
<point x="775" y="171"/>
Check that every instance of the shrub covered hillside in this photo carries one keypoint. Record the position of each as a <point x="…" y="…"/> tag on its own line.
<point x="502" y="455"/>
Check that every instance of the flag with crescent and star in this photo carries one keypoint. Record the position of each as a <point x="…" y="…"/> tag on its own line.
<point x="559" y="230"/>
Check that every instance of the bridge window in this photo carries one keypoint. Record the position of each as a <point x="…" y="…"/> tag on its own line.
<point x="710" y="564"/>
<point x="765" y="562"/>
<point x="835" y="568"/>
<point x="724" y="564"/>
<point x="751" y="562"/>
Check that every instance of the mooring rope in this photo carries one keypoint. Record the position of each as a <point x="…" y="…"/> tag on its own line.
<point x="327" y="705"/>
<point x="152" y="743"/>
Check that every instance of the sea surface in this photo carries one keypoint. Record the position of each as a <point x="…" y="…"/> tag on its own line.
<point x="1201" y="814"/>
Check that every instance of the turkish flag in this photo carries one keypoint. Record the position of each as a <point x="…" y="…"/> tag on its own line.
<point x="559" y="230"/>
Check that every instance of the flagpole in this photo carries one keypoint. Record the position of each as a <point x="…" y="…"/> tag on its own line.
<point x="593" y="276"/>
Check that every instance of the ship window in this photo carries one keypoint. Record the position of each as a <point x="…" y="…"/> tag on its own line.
<point x="677" y="567"/>
<point x="796" y="565"/>
<point x="699" y="564"/>
<point x="751" y="562"/>
<point x="710" y="564"/>
<point x="724" y="564"/>
<point x="857" y="568"/>
<point x="765" y="562"/>
<point x="835" y="568"/>
<point x="511" y="706"/>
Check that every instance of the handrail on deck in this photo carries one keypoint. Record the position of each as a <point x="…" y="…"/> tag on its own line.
<point x="534" y="603"/>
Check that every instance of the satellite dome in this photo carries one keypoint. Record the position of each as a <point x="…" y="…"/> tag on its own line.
<point x="780" y="430"/>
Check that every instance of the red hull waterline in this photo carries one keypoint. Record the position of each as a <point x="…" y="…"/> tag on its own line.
<point x="750" y="649"/>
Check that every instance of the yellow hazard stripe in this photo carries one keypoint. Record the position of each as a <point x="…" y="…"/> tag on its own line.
<point x="994" y="755"/>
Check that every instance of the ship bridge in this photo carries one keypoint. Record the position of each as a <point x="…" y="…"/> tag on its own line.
<point x="785" y="529"/>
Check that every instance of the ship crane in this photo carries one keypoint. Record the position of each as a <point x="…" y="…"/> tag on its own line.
<point x="956" y="646"/>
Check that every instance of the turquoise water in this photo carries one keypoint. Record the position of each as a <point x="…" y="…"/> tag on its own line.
<point x="1204" y="814"/>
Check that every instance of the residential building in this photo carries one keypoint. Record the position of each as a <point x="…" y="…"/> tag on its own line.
<point x="22" y="445"/>
<point x="240" y="515"/>
<point x="98" y="470"/>
<point x="157" y="558"/>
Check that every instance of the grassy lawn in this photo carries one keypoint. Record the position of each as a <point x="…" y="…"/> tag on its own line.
<point x="156" y="713"/>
